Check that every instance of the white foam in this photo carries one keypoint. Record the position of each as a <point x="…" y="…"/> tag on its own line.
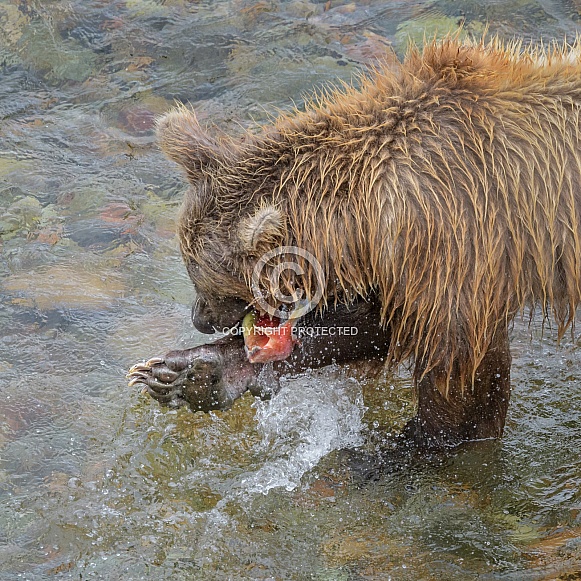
<point x="310" y="417"/>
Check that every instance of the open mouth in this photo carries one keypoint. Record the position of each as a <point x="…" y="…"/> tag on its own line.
<point x="267" y="338"/>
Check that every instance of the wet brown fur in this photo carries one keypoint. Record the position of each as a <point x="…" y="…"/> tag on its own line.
<point x="448" y="187"/>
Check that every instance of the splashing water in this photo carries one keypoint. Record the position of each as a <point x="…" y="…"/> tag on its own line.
<point x="310" y="417"/>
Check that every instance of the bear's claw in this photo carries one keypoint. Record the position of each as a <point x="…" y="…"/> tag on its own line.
<point x="136" y="378"/>
<point x="194" y="377"/>
<point x="158" y="381"/>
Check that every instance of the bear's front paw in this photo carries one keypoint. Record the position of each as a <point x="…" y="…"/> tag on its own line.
<point x="191" y="377"/>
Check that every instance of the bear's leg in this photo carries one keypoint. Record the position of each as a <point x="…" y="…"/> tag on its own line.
<point x="213" y="376"/>
<point x="207" y="377"/>
<point x="449" y="415"/>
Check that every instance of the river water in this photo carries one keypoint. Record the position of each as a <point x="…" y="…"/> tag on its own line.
<point x="96" y="480"/>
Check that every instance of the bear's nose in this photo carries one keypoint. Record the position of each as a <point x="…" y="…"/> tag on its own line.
<point x="202" y="318"/>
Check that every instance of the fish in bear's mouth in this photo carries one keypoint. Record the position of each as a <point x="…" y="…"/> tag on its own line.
<point x="267" y="338"/>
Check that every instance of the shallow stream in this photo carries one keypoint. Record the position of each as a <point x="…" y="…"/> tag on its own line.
<point x="96" y="480"/>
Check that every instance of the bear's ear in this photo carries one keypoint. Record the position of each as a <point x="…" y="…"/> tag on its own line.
<point x="262" y="231"/>
<point x="182" y="139"/>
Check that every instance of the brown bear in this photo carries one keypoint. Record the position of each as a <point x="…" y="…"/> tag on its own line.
<point x="439" y="200"/>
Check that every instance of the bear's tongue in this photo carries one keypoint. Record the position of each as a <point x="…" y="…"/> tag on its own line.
<point x="265" y="339"/>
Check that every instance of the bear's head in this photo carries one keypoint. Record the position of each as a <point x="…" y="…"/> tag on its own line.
<point x="230" y="220"/>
